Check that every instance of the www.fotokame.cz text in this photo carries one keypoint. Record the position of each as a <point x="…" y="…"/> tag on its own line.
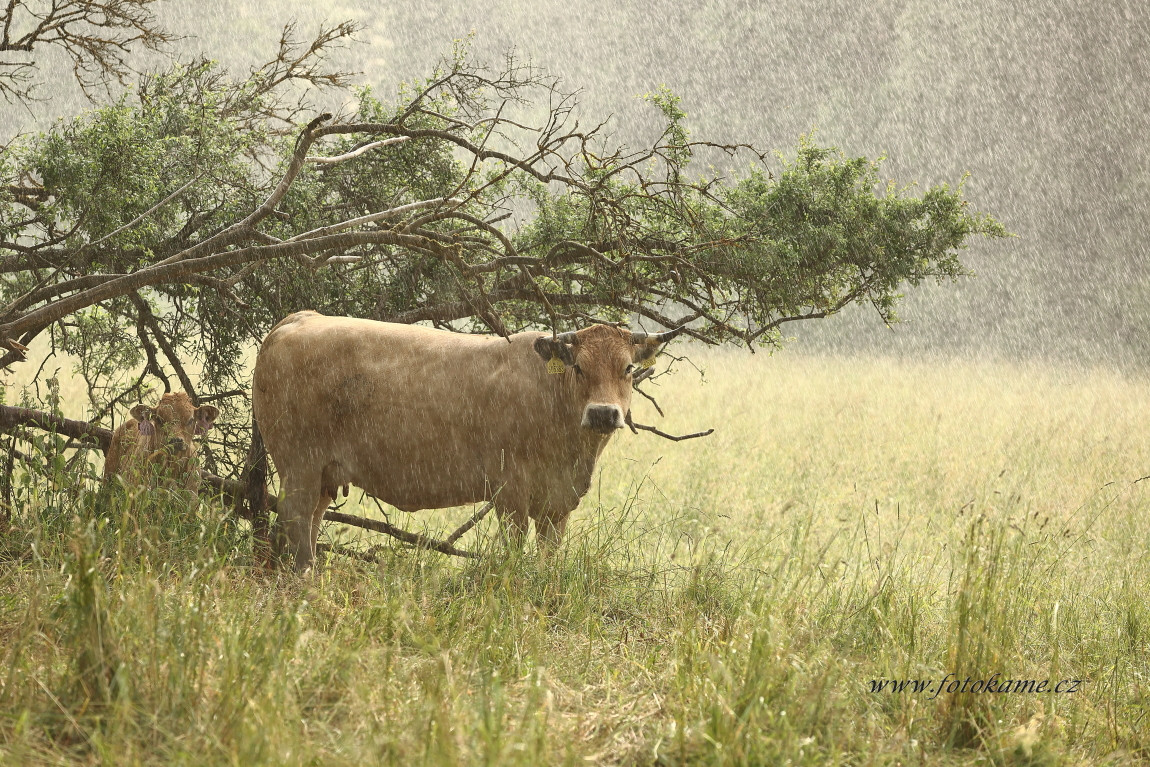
<point x="994" y="684"/>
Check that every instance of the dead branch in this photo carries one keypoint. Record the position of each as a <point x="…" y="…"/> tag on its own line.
<point x="635" y="386"/>
<point x="642" y="376"/>
<point x="333" y="548"/>
<point x="153" y="365"/>
<point x="357" y="152"/>
<point x="417" y="540"/>
<point x="637" y="427"/>
<point x="149" y="320"/>
<point x="475" y="518"/>
<point x="385" y="214"/>
<point x="92" y="245"/>
<point x="205" y="398"/>
<point x="97" y="35"/>
<point x="11" y="417"/>
<point x="300" y="60"/>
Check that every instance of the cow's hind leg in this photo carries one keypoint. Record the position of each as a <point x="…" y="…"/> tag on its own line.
<point x="301" y="490"/>
<point x="334" y="476"/>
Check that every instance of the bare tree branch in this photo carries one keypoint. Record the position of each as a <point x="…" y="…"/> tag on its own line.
<point x="97" y="35"/>
<point x="415" y="539"/>
<point x="637" y="427"/>
<point x="357" y="152"/>
<point x="161" y="338"/>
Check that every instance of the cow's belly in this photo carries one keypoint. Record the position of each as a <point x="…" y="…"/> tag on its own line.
<point x="435" y="475"/>
<point x="413" y="485"/>
<point x="414" y="472"/>
<point x="407" y="454"/>
<point x="406" y="499"/>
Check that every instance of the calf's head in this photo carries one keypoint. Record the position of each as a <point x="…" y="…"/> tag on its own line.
<point x="169" y="429"/>
<point x="603" y="360"/>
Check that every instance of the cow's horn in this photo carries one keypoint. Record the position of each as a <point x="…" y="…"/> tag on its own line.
<point x="638" y="336"/>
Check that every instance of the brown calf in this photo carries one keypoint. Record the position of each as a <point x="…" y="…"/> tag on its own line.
<point x="158" y="444"/>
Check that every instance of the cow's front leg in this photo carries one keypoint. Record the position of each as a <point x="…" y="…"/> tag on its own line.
<point x="513" y="523"/>
<point x="549" y="529"/>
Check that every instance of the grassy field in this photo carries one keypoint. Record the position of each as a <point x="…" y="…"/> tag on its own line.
<point x="729" y="600"/>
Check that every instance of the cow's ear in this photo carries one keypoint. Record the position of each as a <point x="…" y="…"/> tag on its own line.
<point x="205" y="416"/>
<point x="645" y="351"/>
<point x="549" y="349"/>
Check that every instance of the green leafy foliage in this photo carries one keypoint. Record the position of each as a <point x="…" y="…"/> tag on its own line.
<point x="171" y="229"/>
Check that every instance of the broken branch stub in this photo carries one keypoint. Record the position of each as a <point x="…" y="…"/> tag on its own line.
<point x="637" y="427"/>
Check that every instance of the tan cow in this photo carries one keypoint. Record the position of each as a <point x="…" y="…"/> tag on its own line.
<point x="158" y="444"/>
<point x="426" y="419"/>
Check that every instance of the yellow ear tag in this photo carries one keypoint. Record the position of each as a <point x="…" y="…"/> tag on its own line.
<point x="555" y="366"/>
<point x="648" y="363"/>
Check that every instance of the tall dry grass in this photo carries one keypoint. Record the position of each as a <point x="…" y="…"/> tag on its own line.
<point x="720" y="601"/>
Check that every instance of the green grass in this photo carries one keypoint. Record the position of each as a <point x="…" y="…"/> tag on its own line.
<point x="719" y="601"/>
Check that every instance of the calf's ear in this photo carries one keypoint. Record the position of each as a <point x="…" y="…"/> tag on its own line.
<point x="549" y="349"/>
<point x="143" y="416"/>
<point x="205" y="416"/>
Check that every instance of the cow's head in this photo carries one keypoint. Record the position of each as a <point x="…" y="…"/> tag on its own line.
<point x="603" y="360"/>
<point x="173" y="424"/>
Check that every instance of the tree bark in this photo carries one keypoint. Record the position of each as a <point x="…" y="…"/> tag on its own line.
<point x="11" y="417"/>
<point x="6" y="487"/>
<point x="255" y="488"/>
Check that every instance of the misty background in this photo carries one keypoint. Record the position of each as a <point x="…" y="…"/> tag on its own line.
<point x="1045" y="104"/>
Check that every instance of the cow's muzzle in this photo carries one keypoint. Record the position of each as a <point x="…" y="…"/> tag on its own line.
<point x="602" y="418"/>
<point x="176" y="445"/>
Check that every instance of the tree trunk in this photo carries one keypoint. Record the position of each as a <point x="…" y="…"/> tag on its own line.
<point x="255" y="481"/>
<point x="6" y="488"/>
